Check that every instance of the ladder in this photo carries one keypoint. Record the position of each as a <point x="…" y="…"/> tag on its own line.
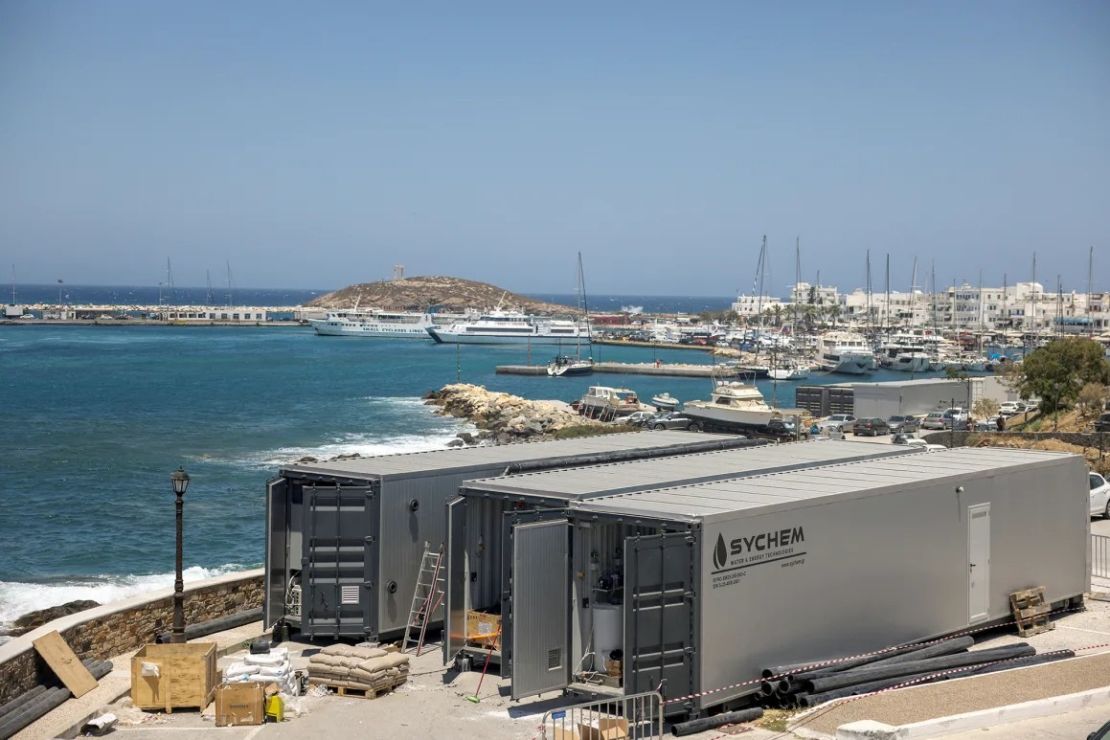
<point x="426" y="598"/>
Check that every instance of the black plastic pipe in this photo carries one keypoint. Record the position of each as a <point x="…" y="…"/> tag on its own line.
<point x="23" y="698"/>
<point x="45" y="701"/>
<point x="945" y="647"/>
<point x="848" y="665"/>
<point x="717" y="720"/>
<point x="1020" y="663"/>
<point x="822" y="684"/>
<point x="212" y="626"/>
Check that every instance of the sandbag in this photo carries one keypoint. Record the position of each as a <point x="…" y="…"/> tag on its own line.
<point x="266" y="659"/>
<point x="353" y="651"/>
<point x="383" y="663"/>
<point x="239" y="669"/>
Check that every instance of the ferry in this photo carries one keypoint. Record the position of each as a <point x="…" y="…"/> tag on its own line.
<point x="372" y="323"/>
<point x="510" y="327"/>
<point x="845" y="352"/>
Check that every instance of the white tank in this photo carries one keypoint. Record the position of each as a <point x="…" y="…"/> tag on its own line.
<point x="608" y="628"/>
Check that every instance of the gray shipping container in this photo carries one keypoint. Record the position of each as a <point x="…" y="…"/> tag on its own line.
<point x="720" y="580"/>
<point x="915" y="397"/>
<point x="344" y="539"/>
<point x="481" y="521"/>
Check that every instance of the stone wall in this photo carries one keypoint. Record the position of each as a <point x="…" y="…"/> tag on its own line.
<point x="110" y="630"/>
<point x="1080" y="439"/>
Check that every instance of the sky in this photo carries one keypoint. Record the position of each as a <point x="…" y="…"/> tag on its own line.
<point x="316" y="145"/>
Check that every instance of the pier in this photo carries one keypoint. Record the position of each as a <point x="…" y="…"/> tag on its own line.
<point x="650" y="345"/>
<point x="673" y="370"/>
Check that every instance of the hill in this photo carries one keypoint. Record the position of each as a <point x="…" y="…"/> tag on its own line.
<point x="447" y="294"/>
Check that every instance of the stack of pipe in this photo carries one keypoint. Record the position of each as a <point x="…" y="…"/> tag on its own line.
<point x="803" y="685"/>
<point x="34" y="703"/>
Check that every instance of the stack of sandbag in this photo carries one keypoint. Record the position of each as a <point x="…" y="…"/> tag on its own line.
<point x="271" y="667"/>
<point x="359" y="667"/>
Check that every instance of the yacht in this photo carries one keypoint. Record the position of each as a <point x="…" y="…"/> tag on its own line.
<point x="845" y="352"/>
<point x="788" y="371"/>
<point x="731" y="404"/>
<point x="606" y="402"/>
<point x="911" y="361"/>
<point x="510" y="327"/>
<point x="563" y="365"/>
<point x="357" y="322"/>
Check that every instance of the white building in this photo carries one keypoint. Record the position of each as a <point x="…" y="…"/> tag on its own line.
<point x="750" y="306"/>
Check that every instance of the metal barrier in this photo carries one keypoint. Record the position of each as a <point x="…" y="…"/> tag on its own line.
<point x="643" y="714"/>
<point x="1100" y="556"/>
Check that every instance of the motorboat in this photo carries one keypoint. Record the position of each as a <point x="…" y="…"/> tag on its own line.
<point x="374" y="322"/>
<point x="606" y="402"/>
<point x="563" y="365"/>
<point x="731" y="404"/>
<point x="665" y="402"/>
<point x="911" y="361"/>
<point x="845" y="352"/>
<point x="510" y="327"/>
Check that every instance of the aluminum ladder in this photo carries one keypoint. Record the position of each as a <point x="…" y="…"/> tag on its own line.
<point x="426" y="598"/>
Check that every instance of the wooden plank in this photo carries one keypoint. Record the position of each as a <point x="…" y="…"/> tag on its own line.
<point x="65" y="664"/>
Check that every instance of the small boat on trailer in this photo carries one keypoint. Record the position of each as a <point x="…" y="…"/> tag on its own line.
<point x="665" y="402"/>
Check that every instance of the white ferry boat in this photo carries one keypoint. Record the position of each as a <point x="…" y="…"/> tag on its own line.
<point x="510" y="327"/>
<point x="845" y="352"/>
<point x="372" y="323"/>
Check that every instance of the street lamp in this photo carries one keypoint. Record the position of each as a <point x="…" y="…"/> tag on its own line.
<point x="180" y="481"/>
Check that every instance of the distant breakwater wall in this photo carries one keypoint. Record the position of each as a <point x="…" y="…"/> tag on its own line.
<point x="112" y="629"/>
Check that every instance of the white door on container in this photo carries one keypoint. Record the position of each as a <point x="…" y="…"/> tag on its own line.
<point x="978" y="562"/>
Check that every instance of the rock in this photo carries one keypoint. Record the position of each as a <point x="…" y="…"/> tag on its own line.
<point x="31" y="620"/>
<point x="346" y="456"/>
<point x="307" y="459"/>
<point x="456" y="443"/>
<point x="467" y="438"/>
<point x="504" y="417"/>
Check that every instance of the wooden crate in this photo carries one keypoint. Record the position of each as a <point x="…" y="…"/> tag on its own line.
<point x="483" y="630"/>
<point x="186" y="676"/>
<point x="240" y="704"/>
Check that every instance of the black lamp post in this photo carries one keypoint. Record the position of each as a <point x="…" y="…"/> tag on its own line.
<point x="180" y="480"/>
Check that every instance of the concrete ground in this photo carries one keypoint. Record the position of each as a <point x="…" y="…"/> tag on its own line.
<point x="1073" y="725"/>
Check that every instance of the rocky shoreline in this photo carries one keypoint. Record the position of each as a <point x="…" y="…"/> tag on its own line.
<point x="504" y="418"/>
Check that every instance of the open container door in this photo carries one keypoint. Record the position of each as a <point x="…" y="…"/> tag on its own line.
<point x="540" y="586"/>
<point x="340" y="562"/>
<point x="277" y="547"/>
<point x="454" y="614"/>
<point x="659" y="621"/>
<point x="509" y="522"/>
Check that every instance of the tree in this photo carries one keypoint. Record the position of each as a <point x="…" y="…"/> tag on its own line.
<point x="986" y="408"/>
<point x="1057" y="372"/>
<point x="1091" y="400"/>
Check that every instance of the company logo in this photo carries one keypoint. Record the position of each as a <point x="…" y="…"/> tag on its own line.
<point x="720" y="552"/>
<point x="755" y="543"/>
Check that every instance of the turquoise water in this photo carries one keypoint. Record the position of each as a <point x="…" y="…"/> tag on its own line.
<point x="96" y="418"/>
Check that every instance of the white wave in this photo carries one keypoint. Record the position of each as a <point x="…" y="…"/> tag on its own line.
<point x="17" y="598"/>
<point x="361" y="444"/>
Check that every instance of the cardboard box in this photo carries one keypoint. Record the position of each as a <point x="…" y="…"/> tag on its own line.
<point x="606" y="729"/>
<point x="483" y="630"/>
<point x="173" y="676"/>
<point x="240" y="704"/>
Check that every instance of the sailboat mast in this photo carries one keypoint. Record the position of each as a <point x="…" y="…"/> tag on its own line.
<point x="797" y="281"/>
<point x="886" y="309"/>
<point x="868" y="286"/>
<point x="208" y="282"/>
<point x="229" y="283"/>
<point x="585" y="303"/>
<point x="913" y="293"/>
<point x="13" y="284"/>
<point x="1090" y="291"/>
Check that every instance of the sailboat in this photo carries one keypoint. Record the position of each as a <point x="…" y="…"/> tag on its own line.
<point x="565" y="365"/>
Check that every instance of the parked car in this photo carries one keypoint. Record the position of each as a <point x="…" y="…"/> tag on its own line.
<point x="955" y="418"/>
<point x="934" y="420"/>
<point x="784" y="428"/>
<point x="842" y="422"/>
<point x="871" y="426"/>
<point x="1009" y="408"/>
<point x="636" y="418"/>
<point x="1103" y="423"/>
<point x="985" y="425"/>
<point x="669" y="420"/>
<point x="903" y="424"/>
<point x="1100" y="495"/>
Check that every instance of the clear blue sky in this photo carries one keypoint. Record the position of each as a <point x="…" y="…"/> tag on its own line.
<point x="318" y="144"/>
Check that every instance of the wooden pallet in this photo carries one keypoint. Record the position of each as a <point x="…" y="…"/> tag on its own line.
<point x="1031" y="612"/>
<point x="360" y="692"/>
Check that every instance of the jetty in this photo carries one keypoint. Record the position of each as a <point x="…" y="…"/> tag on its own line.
<point x="673" y="370"/>
<point x="650" y="345"/>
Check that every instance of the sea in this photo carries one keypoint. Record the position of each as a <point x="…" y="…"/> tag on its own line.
<point x="95" y="418"/>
